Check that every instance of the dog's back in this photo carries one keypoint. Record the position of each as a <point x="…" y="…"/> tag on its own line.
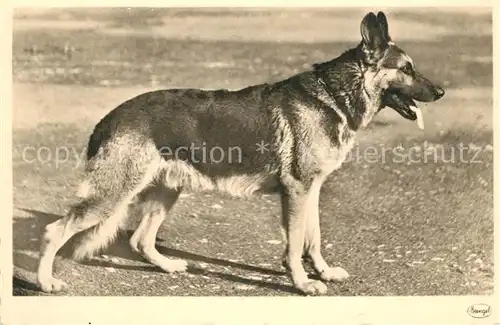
<point x="205" y="139"/>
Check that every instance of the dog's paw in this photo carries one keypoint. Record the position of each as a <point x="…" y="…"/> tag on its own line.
<point x="171" y="266"/>
<point x="336" y="274"/>
<point x="51" y="284"/>
<point x="313" y="288"/>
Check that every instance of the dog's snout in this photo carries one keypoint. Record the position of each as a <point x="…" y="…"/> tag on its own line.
<point x="439" y="92"/>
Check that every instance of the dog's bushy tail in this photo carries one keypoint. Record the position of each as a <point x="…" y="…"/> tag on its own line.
<point x="119" y="167"/>
<point x="99" y="237"/>
<point x="115" y="213"/>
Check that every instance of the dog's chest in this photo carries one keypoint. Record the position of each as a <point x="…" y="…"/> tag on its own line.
<point x="329" y="154"/>
<point x="323" y="149"/>
<point x="330" y="141"/>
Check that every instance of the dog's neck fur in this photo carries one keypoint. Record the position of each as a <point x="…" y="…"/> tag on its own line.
<point x="353" y="85"/>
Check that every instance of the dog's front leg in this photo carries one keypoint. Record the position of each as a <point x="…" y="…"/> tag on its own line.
<point x="294" y="203"/>
<point x="312" y="242"/>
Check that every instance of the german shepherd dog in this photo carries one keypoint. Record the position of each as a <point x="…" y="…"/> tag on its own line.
<point x="142" y="154"/>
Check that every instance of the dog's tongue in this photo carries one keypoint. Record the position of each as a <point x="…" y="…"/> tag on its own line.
<point x="420" y="119"/>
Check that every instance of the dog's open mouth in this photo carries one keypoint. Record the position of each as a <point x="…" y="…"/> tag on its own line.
<point x="404" y="105"/>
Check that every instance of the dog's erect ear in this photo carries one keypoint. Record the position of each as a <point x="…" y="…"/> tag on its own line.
<point x="382" y="19"/>
<point x="374" y="42"/>
<point x="372" y="32"/>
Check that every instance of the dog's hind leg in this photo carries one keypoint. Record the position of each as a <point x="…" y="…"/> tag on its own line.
<point x="87" y="215"/>
<point x="81" y="216"/>
<point x="155" y="203"/>
<point x="100" y="213"/>
<point x="312" y="243"/>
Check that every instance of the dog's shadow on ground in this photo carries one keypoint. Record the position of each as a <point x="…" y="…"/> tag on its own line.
<point x="26" y="238"/>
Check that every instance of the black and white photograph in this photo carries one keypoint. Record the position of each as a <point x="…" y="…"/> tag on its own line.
<point x="253" y="151"/>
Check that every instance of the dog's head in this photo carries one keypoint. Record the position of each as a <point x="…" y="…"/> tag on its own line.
<point x="393" y="69"/>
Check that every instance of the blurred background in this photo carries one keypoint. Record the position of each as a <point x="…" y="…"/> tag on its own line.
<point x="423" y="228"/>
<point x="231" y="48"/>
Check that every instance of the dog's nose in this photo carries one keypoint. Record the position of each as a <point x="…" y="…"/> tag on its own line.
<point x="439" y="92"/>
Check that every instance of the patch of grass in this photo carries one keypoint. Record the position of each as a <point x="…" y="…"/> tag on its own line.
<point x="120" y="14"/>
<point x="140" y="58"/>
<point x="118" y="60"/>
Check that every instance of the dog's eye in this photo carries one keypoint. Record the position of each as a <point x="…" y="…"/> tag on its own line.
<point x="407" y="69"/>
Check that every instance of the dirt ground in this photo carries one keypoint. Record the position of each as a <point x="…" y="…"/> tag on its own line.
<point x="400" y="228"/>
